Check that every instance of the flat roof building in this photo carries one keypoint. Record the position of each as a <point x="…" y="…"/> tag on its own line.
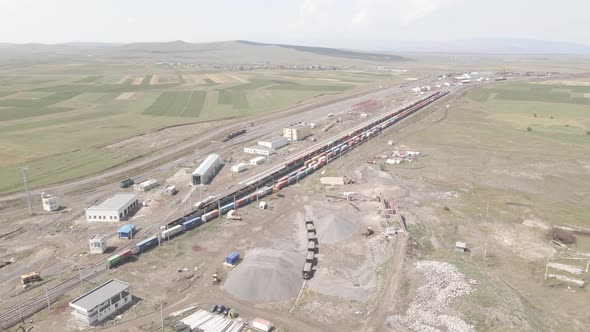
<point x="145" y="185"/>
<point x="117" y="208"/>
<point x="102" y="302"/>
<point x="261" y="150"/>
<point x="239" y="167"/>
<point x="207" y="170"/>
<point x="274" y="142"/>
<point x="296" y="134"/>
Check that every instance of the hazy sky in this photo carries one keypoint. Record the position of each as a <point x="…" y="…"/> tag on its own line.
<point x="303" y="21"/>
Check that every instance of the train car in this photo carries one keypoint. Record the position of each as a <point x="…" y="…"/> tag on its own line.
<point x="167" y="234"/>
<point x="292" y="179"/>
<point x="243" y="201"/>
<point x="146" y="244"/>
<point x="210" y="215"/>
<point x="191" y="223"/>
<point x="279" y="186"/>
<point x="226" y="208"/>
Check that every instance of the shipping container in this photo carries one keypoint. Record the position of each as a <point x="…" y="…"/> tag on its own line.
<point x="191" y="223"/>
<point x="311" y="246"/>
<point x="170" y="232"/>
<point x="243" y="201"/>
<point x="126" y="183"/>
<point x="125" y="254"/>
<point x="232" y="258"/>
<point x="210" y="215"/>
<point x="227" y="207"/>
<point x="146" y="244"/>
<point x="113" y="261"/>
<point x="262" y="325"/>
<point x="293" y="179"/>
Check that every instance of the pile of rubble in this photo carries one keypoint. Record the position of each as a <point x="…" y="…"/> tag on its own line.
<point x="443" y="282"/>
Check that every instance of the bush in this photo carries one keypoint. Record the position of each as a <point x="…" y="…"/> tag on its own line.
<point x="588" y="133"/>
<point x="529" y="129"/>
<point x="562" y="235"/>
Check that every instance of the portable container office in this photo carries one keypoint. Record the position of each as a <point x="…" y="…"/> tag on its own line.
<point x="232" y="258"/>
<point x="309" y="257"/>
<point x="146" y="244"/>
<point x="126" y="231"/>
<point x="311" y="246"/>
<point x="170" y="232"/>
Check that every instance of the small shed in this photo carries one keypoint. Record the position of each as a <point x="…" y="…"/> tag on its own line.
<point x="232" y="258"/>
<point x="461" y="246"/>
<point x="171" y="190"/>
<point x="239" y="167"/>
<point x="98" y="243"/>
<point x="126" y="231"/>
<point x="263" y="205"/>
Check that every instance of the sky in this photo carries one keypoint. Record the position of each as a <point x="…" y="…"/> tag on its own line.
<point x="311" y="22"/>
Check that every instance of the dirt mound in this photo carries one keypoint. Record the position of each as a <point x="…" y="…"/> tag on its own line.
<point x="266" y="275"/>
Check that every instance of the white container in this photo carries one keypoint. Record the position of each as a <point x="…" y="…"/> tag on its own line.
<point x="239" y="167"/>
<point x="170" y="232"/>
<point x="261" y="324"/>
<point x="257" y="160"/>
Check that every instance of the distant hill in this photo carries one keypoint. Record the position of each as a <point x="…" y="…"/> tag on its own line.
<point x="340" y="53"/>
<point x="228" y="52"/>
<point x="476" y="46"/>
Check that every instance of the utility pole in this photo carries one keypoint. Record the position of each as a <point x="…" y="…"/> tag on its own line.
<point x="485" y="250"/>
<point x="20" y="309"/>
<point x="24" y="170"/>
<point x="162" y="316"/>
<point x="47" y="298"/>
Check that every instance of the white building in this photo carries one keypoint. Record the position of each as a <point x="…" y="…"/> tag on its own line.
<point x="145" y="185"/>
<point x="257" y="161"/>
<point x="102" y="302"/>
<point x="98" y="243"/>
<point x="207" y="170"/>
<point x="49" y="202"/>
<point x="296" y="134"/>
<point x="274" y="142"/>
<point x="116" y="208"/>
<point x="239" y="167"/>
<point x="257" y="149"/>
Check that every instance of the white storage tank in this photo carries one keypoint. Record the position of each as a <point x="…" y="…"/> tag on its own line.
<point x="239" y="167"/>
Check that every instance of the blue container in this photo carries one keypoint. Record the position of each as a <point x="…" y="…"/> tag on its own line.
<point x="146" y="244"/>
<point x="126" y="231"/>
<point x="191" y="223"/>
<point x="226" y="208"/>
<point x="232" y="258"/>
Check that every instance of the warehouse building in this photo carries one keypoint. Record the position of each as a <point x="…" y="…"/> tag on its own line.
<point x="117" y="208"/>
<point x="274" y="142"/>
<point x="207" y="170"/>
<point x="296" y="134"/>
<point x="102" y="302"/>
<point x="257" y="149"/>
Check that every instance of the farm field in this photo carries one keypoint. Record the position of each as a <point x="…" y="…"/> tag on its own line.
<point x="56" y="119"/>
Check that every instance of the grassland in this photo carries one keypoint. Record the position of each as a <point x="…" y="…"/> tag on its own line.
<point x="57" y="118"/>
<point x="504" y="175"/>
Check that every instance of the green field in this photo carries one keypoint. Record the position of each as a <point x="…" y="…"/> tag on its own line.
<point x="57" y="122"/>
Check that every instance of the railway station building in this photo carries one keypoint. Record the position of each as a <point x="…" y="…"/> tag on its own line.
<point x="102" y="302"/>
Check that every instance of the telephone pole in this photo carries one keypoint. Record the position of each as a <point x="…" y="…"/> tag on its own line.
<point x="24" y="170"/>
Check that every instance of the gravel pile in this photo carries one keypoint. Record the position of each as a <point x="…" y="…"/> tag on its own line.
<point x="443" y="283"/>
<point x="333" y="228"/>
<point x="266" y="275"/>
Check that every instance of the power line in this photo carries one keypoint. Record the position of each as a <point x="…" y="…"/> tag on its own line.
<point x="24" y="170"/>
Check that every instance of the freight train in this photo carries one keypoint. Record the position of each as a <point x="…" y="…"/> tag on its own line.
<point x="292" y="172"/>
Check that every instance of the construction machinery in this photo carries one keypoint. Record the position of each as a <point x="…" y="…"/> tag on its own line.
<point x="30" y="277"/>
<point x="233" y="215"/>
<point x="368" y="232"/>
